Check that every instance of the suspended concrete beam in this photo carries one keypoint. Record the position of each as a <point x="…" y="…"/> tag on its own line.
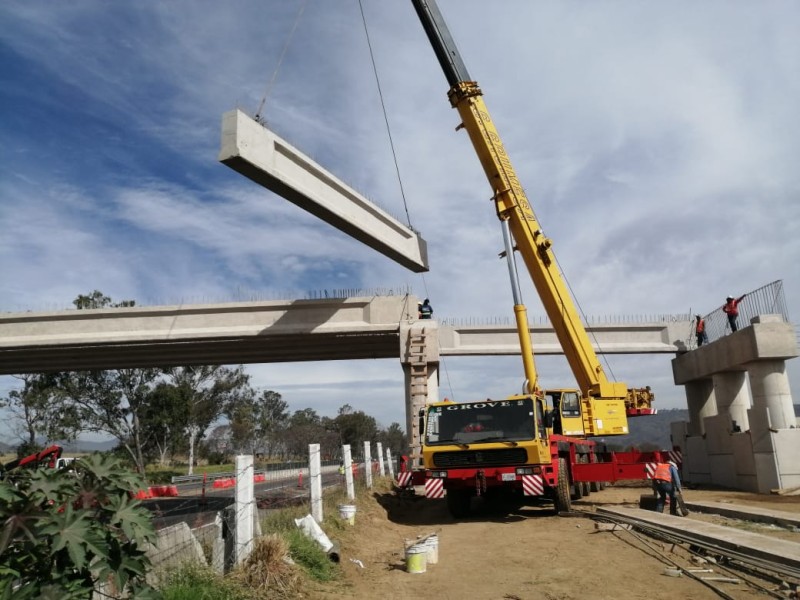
<point x="251" y="149"/>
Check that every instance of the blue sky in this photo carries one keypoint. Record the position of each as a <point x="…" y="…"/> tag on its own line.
<point x="657" y="144"/>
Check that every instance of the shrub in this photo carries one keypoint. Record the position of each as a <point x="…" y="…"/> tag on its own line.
<point x="67" y="532"/>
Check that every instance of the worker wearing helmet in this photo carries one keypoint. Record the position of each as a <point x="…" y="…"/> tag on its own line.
<point x="666" y="481"/>
<point x="700" y="330"/>
<point x="425" y="309"/>
<point x="731" y="308"/>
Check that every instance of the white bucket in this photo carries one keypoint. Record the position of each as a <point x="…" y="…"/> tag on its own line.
<point x="433" y="549"/>
<point x="348" y="513"/>
<point x="417" y="558"/>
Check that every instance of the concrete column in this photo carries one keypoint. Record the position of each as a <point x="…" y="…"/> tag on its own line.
<point x="769" y="385"/>
<point x="701" y="402"/>
<point x="315" y="480"/>
<point x="733" y="397"/>
<point x="348" y="472"/>
<point x="381" y="469"/>
<point x="413" y="407"/>
<point x="368" y="464"/>
<point x="245" y="506"/>
<point x="389" y="463"/>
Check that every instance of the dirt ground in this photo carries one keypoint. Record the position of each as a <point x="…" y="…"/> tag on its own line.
<point x="528" y="554"/>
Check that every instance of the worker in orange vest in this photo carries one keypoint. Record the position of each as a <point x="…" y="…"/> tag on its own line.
<point x="700" y="331"/>
<point x="666" y="481"/>
<point x="731" y="308"/>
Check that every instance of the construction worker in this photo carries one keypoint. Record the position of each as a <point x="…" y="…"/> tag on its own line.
<point x="425" y="309"/>
<point x="666" y="481"/>
<point x="700" y="331"/>
<point x="731" y="308"/>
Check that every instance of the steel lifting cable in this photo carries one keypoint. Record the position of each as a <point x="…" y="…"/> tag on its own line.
<point x="394" y="158"/>
<point x="258" y="116"/>
<point x="383" y="108"/>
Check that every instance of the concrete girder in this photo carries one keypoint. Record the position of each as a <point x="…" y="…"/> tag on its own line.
<point x="264" y="332"/>
<point x="254" y="151"/>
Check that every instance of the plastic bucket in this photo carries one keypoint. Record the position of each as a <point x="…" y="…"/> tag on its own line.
<point x="417" y="558"/>
<point x="348" y="513"/>
<point x="433" y="549"/>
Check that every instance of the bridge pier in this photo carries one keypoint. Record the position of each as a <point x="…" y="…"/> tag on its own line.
<point x="740" y="436"/>
<point x="419" y="356"/>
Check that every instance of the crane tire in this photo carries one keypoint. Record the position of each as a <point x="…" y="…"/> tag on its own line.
<point x="562" y="500"/>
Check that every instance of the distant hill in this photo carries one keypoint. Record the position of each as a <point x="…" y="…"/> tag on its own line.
<point x="653" y="430"/>
<point x="87" y="446"/>
<point x="76" y="446"/>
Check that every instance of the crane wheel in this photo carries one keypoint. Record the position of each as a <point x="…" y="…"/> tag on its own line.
<point x="577" y="489"/>
<point x="562" y="501"/>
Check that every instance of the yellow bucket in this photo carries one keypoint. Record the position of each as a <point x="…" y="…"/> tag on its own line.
<point x="417" y="558"/>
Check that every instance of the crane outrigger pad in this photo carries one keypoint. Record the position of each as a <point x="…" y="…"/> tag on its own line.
<point x="251" y="149"/>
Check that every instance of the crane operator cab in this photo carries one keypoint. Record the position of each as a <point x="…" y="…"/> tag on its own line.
<point x="565" y="410"/>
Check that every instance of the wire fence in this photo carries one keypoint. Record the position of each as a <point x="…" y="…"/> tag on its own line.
<point x="207" y="519"/>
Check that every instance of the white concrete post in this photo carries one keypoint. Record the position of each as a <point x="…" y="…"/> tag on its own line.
<point x="389" y="462"/>
<point x="348" y="472"/>
<point x="315" y="481"/>
<point x="380" y="459"/>
<point x="245" y="507"/>
<point x="368" y="465"/>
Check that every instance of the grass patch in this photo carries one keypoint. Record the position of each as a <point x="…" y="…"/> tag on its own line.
<point x="309" y="555"/>
<point x="195" y="582"/>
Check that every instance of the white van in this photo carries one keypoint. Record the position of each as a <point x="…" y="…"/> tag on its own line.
<point x="64" y="461"/>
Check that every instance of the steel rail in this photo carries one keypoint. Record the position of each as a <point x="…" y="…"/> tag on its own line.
<point x="784" y="571"/>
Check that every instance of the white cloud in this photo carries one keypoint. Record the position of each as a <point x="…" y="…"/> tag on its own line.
<point x="657" y="145"/>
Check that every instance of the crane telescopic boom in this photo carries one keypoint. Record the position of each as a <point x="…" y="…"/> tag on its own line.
<point x="605" y="403"/>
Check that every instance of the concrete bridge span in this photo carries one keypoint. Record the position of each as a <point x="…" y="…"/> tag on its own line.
<point x="275" y="331"/>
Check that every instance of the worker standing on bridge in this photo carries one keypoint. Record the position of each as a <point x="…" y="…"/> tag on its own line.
<point x="731" y="308"/>
<point x="666" y="481"/>
<point x="700" y="331"/>
<point x="425" y="310"/>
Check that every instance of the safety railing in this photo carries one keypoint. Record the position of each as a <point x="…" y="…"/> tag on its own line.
<point x="766" y="300"/>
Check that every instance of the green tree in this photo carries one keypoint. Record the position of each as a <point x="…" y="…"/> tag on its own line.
<point x="206" y="391"/>
<point x="355" y="426"/>
<point x="257" y="421"/>
<point x="39" y="413"/>
<point x="98" y="299"/>
<point x="66" y="533"/>
<point x="113" y="402"/>
<point x="305" y="427"/>
<point x="164" y="422"/>
<point x="394" y="438"/>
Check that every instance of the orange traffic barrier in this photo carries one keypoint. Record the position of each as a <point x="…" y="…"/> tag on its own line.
<point x="224" y="483"/>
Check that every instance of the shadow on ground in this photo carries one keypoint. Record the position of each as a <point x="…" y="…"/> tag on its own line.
<point x="409" y="509"/>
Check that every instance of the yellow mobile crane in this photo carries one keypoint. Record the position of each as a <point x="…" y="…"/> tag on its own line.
<point x="534" y="442"/>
